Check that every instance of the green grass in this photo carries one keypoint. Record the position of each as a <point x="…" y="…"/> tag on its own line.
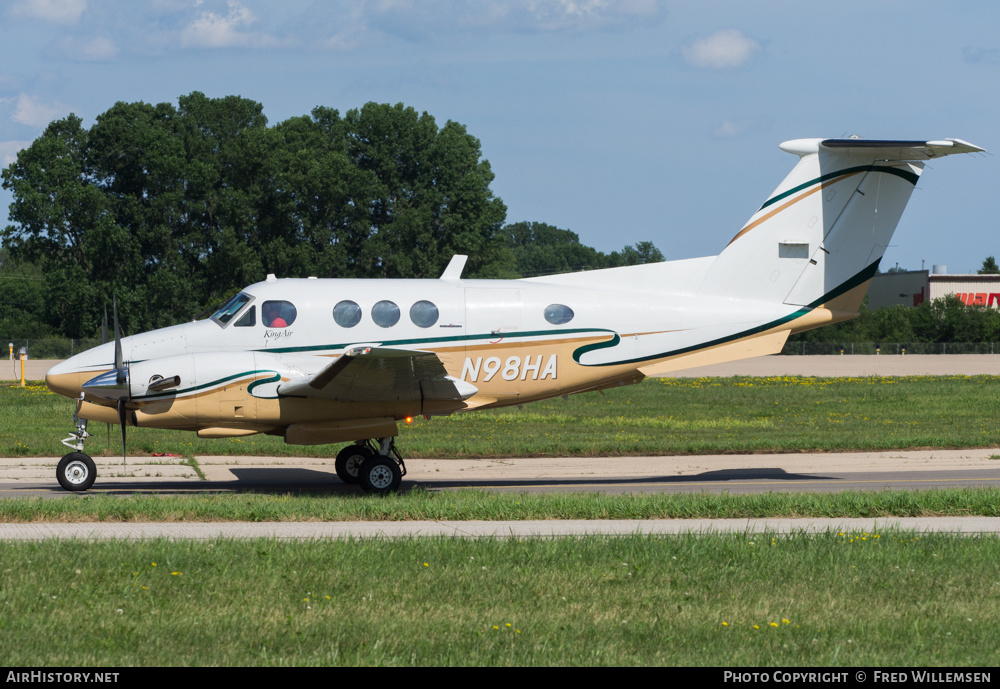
<point x="658" y="417"/>
<point x="886" y="599"/>
<point x="469" y="504"/>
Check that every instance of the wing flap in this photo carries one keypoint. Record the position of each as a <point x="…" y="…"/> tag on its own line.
<point x="381" y="374"/>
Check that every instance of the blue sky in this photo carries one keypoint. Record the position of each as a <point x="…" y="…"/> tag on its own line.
<point x="622" y="120"/>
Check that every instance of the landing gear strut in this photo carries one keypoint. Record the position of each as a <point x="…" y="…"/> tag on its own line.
<point x="377" y="468"/>
<point x="76" y="471"/>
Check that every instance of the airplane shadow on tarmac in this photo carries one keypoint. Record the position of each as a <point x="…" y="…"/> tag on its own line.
<point x="720" y="476"/>
<point x="285" y="480"/>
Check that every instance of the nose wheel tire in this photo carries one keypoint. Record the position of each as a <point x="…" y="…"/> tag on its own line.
<point x="76" y="471"/>
<point x="380" y="475"/>
<point x="349" y="462"/>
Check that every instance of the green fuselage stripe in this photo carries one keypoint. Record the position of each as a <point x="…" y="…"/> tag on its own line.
<point x="613" y="341"/>
<point x="436" y="341"/>
<point x="905" y="174"/>
<point x="845" y="287"/>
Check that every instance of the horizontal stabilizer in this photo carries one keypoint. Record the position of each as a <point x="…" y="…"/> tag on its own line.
<point x="882" y="149"/>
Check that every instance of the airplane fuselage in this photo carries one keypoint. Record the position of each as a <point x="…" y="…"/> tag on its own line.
<point x="324" y="361"/>
<point x="515" y="341"/>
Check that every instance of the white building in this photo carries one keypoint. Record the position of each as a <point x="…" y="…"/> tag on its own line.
<point x="913" y="287"/>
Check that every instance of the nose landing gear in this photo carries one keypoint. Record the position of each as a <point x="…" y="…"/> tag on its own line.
<point x="76" y="471"/>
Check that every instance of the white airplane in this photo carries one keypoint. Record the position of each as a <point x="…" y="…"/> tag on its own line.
<point x="330" y="361"/>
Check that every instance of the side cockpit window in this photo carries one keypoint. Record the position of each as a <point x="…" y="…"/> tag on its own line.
<point x="230" y="309"/>
<point x="248" y="319"/>
<point x="278" y="314"/>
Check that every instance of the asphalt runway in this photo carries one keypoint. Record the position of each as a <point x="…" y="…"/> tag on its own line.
<point x="818" y="472"/>
<point x="799" y="472"/>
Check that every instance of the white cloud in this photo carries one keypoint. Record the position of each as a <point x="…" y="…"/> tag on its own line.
<point x="729" y="129"/>
<point x="9" y="149"/>
<point x="215" y="30"/>
<point x="98" y="49"/>
<point x="348" y="24"/>
<point x="33" y="112"/>
<point x="554" y="15"/>
<point x="723" y="49"/>
<point x="57" y="11"/>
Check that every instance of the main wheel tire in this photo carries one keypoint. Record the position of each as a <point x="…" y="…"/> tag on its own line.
<point x="380" y="475"/>
<point x="349" y="461"/>
<point x="76" y="471"/>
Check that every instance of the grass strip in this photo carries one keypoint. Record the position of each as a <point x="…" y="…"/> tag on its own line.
<point x="888" y="599"/>
<point x="472" y="504"/>
<point x="192" y="462"/>
<point x="664" y="416"/>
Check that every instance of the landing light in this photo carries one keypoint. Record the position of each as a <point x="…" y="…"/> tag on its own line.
<point x="409" y="419"/>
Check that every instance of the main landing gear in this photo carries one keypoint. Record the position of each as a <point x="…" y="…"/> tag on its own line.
<point x="376" y="467"/>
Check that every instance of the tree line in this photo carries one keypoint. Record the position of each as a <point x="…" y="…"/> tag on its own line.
<point x="171" y="209"/>
<point x="942" y="320"/>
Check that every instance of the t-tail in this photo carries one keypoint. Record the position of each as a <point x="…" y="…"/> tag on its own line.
<point x="818" y="239"/>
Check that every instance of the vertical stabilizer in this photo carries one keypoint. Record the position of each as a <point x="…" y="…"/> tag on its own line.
<point x="822" y="233"/>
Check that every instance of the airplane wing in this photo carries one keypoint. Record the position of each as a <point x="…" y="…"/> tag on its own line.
<point x="381" y="374"/>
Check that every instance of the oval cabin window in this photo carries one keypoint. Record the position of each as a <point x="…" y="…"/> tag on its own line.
<point x="385" y="314"/>
<point x="347" y="314"/>
<point x="424" y="314"/>
<point x="557" y="314"/>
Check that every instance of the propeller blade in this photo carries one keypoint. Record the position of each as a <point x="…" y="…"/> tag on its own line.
<point x="119" y="362"/>
<point x="121" y="420"/>
<point x="104" y="326"/>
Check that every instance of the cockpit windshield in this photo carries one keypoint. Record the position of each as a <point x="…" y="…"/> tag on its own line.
<point x="230" y="309"/>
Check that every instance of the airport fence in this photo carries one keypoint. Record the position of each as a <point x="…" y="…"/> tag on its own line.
<point x="848" y="348"/>
<point x="48" y="347"/>
<point x="63" y="348"/>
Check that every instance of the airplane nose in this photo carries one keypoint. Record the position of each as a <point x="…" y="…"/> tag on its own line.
<point x="63" y="380"/>
<point x="68" y="378"/>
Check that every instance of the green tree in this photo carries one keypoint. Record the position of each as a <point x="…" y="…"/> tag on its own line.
<point x="171" y="209"/>
<point x="428" y="194"/>
<point x="990" y="267"/>
<point x="642" y="252"/>
<point x="542" y="249"/>
<point x="22" y="299"/>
